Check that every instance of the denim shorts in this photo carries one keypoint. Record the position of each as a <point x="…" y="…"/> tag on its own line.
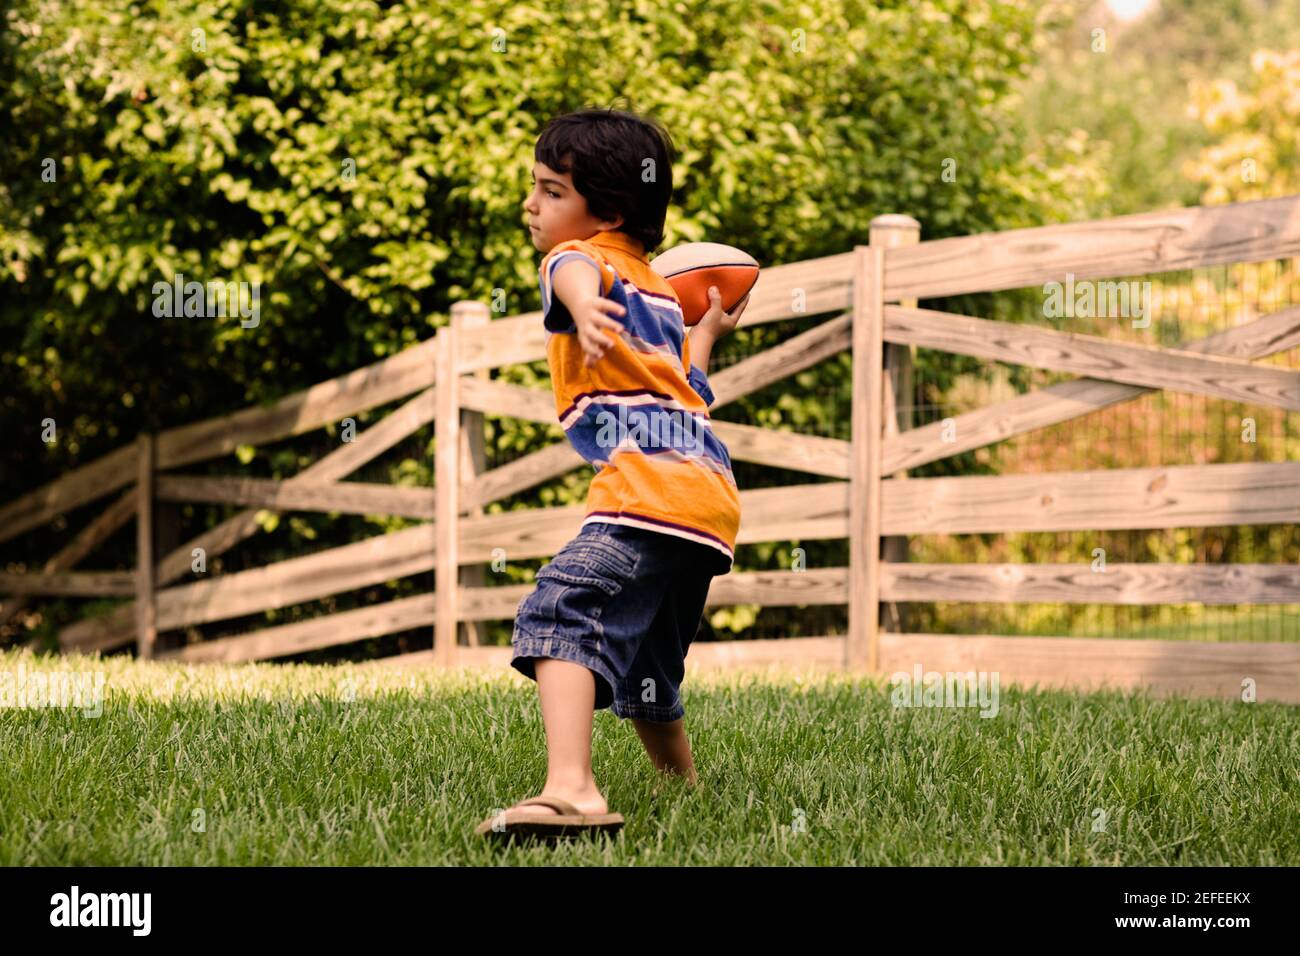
<point x="625" y="603"/>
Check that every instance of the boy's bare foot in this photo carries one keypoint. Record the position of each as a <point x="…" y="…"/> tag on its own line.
<point x="588" y="801"/>
<point x="665" y="779"/>
<point x="667" y="746"/>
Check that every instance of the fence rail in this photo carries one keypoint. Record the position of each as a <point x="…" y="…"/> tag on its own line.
<point x="869" y="297"/>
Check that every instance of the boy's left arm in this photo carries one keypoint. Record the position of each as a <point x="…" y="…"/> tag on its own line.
<point x="701" y="338"/>
<point x="698" y="347"/>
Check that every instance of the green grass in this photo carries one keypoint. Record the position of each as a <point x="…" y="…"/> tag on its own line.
<point x="289" y="771"/>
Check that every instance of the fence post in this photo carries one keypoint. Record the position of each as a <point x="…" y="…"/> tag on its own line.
<point x="465" y="316"/>
<point x="862" y="647"/>
<point x="447" y="485"/>
<point x="889" y="232"/>
<point x="146" y="621"/>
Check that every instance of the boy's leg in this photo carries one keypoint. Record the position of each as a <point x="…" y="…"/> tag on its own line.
<point x="568" y="696"/>
<point x="667" y="745"/>
<point x="650" y="694"/>
<point x="576" y="634"/>
<point x="559" y="642"/>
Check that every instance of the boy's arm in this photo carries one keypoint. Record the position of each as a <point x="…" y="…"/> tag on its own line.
<point x="569" y="284"/>
<point x="699" y="348"/>
<point x="712" y="326"/>
<point x="576" y="306"/>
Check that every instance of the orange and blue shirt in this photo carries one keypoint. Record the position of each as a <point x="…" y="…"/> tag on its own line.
<point x="640" y="414"/>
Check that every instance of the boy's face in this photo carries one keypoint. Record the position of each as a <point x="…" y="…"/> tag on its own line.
<point x="557" y="212"/>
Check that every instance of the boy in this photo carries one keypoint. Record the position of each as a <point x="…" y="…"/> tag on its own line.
<point x="615" y="610"/>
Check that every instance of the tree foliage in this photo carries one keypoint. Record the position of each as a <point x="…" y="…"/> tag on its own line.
<point x="366" y="164"/>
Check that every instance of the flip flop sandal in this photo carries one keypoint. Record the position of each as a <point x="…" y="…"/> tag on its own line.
<point x="567" y="821"/>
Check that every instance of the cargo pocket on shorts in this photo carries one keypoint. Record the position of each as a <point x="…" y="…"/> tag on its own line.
<point x="578" y="583"/>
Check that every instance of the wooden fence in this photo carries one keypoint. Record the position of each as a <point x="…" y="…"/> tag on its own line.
<point x="870" y="296"/>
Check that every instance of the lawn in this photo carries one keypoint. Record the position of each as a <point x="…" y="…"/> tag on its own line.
<point x="348" y="765"/>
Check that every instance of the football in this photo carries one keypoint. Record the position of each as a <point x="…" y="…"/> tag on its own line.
<point x="694" y="266"/>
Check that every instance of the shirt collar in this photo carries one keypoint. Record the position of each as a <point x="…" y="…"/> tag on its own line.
<point x="615" y="239"/>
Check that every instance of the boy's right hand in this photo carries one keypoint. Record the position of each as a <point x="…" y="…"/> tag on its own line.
<point x="715" y="323"/>
<point x="589" y="315"/>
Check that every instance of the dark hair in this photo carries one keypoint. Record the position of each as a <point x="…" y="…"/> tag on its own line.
<point x="606" y="150"/>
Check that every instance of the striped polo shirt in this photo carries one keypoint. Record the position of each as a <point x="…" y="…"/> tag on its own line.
<point x="640" y="414"/>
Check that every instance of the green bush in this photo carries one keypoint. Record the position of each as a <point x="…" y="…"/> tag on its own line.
<point x="216" y="140"/>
